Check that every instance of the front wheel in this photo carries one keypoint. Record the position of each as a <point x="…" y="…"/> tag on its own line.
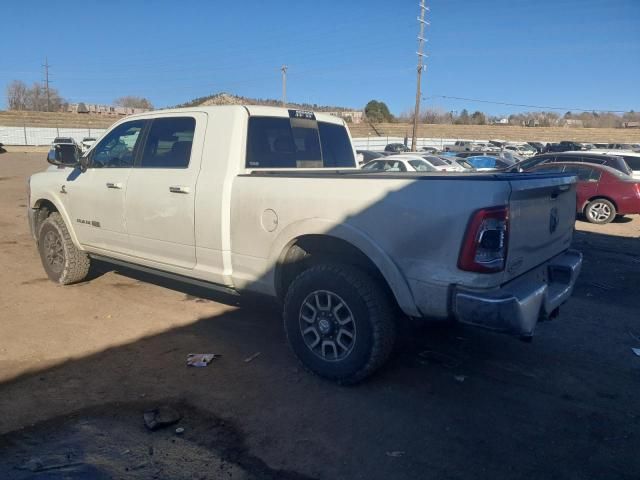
<point x="62" y="261"/>
<point x="600" y="211"/>
<point x="339" y="322"/>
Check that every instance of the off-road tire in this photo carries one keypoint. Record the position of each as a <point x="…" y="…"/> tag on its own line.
<point x="372" y="313"/>
<point x="71" y="265"/>
<point x="600" y="211"/>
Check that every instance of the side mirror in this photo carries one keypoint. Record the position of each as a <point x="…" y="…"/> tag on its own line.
<point x="63" y="155"/>
<point x="84" y="163"/>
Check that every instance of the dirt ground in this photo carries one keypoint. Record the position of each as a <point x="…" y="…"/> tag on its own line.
<point x="79" y="365"/>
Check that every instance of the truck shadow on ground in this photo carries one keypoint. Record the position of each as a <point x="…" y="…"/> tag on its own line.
<point x="453" y="401"/>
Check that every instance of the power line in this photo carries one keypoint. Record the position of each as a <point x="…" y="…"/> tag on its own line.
<point x="420" y="53"/>
<point x="544" y="107"/>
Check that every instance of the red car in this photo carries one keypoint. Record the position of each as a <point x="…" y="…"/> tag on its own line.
<point x="602" y="191"/>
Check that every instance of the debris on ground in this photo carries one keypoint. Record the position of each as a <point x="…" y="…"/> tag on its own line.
<point x="636" y="351"/>
<point x="179" y="430"/>
<point x="396" y="453"/>
<point x="460" y="378"/>
<point x="161" y="417"/>
<point x="603" y="286"/>
<point x="139" y="466"/>
<point x="440" y="358"/>
<point x="252" y="357"/>
<point x="201" y="359"/>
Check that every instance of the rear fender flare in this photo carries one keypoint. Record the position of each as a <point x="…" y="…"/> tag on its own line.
<point x="318" y="226"/>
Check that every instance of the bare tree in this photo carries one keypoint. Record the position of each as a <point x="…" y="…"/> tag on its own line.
<point x="17" y="94"/>
<point x="21" y="97"/>
<point x="130" y="101"/>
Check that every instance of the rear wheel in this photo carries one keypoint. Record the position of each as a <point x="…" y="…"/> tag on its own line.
<point x="62" y="261"/>
<point x="339" y="322"/>
<point x="600" y="211"/>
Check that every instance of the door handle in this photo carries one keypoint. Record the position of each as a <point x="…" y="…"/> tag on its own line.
<point x="179" y="189"/>
<point x="117" y="186"/>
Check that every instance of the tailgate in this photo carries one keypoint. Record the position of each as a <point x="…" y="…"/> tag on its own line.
<point x="542" y="214"/>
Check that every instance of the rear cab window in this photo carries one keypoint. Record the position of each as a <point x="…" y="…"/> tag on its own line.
<point x="299" y="141"/>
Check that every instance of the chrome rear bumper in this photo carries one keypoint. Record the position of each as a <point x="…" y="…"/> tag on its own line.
<point x="516" y="307"/>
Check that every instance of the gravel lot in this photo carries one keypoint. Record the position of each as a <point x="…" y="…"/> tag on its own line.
<point x="79" y="365"/>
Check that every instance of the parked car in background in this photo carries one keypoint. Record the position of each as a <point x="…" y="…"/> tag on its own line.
<point x="467" y="167"/>
<point x="464" y="146"/>
<point x="398" y="163"/>
<point x="614" y="161"/>
<point x="429" y="149"/>
<point x="396" y="148"/>
<point x="564" y="146"/>
<point x="64" y="140"/>
<point x="631" y="158"/>
<point x="484" y="163"/>
<point x="474" y="154"/>
<point x="443" y="163"/>
<point x="87" y="143"/>
<point x="450" y="163"/>
<point x="538" y="146"/>
<point x="521" y="149"/>
<point x="602" y="192"/>
<point x="622" y="146"/>
<point x="365" y="156"/>
<point x="487" y="147"/>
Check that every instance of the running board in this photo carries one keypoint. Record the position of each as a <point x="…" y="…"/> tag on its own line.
<point x="171" y="276"/>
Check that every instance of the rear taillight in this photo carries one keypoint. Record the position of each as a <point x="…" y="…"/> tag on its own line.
<point x="484" y="248"/>
<point x="638" y="189"/>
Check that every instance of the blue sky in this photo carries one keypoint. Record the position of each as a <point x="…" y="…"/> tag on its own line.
<point x="565" y="53"/>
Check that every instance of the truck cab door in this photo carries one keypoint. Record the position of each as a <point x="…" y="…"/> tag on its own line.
<point x="160" y="201"/>
<point x="97" y="196"/>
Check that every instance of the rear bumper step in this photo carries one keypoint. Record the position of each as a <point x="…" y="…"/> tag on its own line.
<point x="516" y="307"/>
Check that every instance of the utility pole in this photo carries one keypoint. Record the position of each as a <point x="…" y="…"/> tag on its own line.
<point x="421" y="55"/>
<point x="284" y="85"/>
<point x="46" y="82"/>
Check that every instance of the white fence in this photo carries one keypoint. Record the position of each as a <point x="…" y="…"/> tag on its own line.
<point x="378" y="143"/>
<point x="44" y="135"/>
<point x="37" y="136"/>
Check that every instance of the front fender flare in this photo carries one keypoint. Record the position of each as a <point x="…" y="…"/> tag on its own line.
<point x="59" y="205"/>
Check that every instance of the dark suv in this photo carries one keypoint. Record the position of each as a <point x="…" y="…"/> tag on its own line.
<point x="612" y="161"/>
<point x="564" y="146"/>
<point x="396" y="148"/>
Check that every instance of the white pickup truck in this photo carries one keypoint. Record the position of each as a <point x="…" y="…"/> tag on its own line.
<point x="269" y="200"/>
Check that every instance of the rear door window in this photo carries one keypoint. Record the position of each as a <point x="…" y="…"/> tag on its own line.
<point x="280" y="142"/>
<point x="168" y="143"/>
<point x="583" y="173"/>
<point x="549" y="168"/>
<point x="633" y="162"/>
